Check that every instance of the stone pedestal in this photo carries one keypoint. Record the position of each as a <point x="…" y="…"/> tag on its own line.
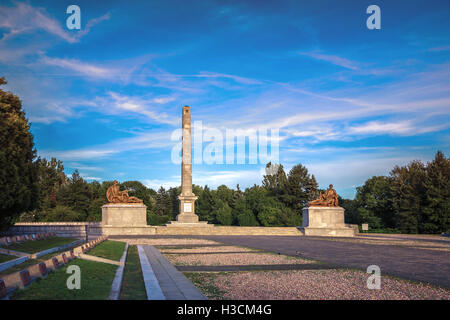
<point x="325" y="221"/>
<point x="124" y="215"/>
<point x="187" y="217"/>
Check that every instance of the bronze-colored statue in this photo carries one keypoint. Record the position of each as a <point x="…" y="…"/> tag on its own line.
<point x="327" y="199"/>
<point x="114" y="195"/>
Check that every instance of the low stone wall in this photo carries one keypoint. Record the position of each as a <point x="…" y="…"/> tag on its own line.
<point x="77" y="230"/>
<point x="61" y="229"/>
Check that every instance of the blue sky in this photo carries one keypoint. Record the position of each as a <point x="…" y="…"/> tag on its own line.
<point x="349" y="102"/>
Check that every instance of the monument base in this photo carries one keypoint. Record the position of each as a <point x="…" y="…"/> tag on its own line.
<point x="188" y="220"/>
<point x="326" y="222"/>
<point x="124" y="215"/>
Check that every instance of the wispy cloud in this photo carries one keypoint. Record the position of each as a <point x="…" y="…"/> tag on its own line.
<point x="140" y="106"/>
<point x="405" y="128"/>
<point x="333" y="59"/>
<point x="84" y="68"/>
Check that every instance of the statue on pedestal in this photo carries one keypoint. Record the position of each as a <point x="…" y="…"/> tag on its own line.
<point x="327" y="199"/>
<point x="114" y="195"/>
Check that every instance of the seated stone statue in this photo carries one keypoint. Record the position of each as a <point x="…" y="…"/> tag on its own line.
<point x="114" y="195"/>
<point x="327" y="199"/>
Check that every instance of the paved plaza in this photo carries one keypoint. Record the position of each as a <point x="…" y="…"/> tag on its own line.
<point x="417" y="258"/>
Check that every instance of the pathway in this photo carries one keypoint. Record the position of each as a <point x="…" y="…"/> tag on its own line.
<point x="162" y="280"/>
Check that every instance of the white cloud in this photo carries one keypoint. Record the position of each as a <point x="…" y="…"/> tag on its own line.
<point x="87" y="69"/>
<point x="405" y="128"/>
<point x="140" y="106"/>
<point x="336" y="60"/>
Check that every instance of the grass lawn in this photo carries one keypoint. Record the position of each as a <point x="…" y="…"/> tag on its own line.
<point x="31" y="246"/>
<point x="6" y="257"/>
<point x="109" y="249"/>
<point x="133" y="287"/>
<point x="96" y="281"/>
<point x="30" y="262"/>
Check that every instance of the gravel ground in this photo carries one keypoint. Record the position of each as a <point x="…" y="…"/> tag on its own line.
<point x="208" y="249"/>
<point x="314" y="285"/>
<point x="166" y="241"/>
<point x="428" y="245"/>
<point x="233" y="259"/>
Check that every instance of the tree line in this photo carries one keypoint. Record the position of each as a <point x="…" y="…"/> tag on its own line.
<point x="412" y="199"/>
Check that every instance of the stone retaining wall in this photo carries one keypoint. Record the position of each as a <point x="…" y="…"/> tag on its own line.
<point x="77" y="229"/>
<point x="61" y="229"/>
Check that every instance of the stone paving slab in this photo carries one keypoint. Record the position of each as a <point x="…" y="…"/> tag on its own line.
<point x="117" y="282"/>
<point x="152" y="286"/>
<point x="261" y="267"/>
<point x="174" y="285"/>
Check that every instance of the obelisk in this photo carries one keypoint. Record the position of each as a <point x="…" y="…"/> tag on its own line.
<point x="187" y="197"/>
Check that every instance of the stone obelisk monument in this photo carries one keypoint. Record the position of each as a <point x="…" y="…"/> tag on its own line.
<point x="187" y="197"/>
<point x="187" y="216"/>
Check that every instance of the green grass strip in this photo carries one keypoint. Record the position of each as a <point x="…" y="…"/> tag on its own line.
<point x="112" y="250"/>
<point x="6" y="257"/>
<point x="133" y="287"/>
<point x="96" y="281"/>
<point x="31" y="246"/>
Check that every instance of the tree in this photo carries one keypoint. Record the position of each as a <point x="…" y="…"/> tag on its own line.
<point x="374" y="201"/>
<point x="163" y="204"/>
<point x="226" y="195"/>
<point x="436" y="209"/>
<point x="247" y="219"/>
<point x="223" y="214"/>
<point x="51" y="177"/>
<point x="408" y="195"/>
<point x="63" y="213"/>
<point x="76" y="195"/>
<point x="175" y="203"/>
<point x="301" y="188"/>
<point x="205" y="206"/>
<point x="275" y="179"/>
<point x="18" y="172"/>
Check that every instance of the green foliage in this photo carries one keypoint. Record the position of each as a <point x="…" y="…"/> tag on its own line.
<point x="76" y="195"/>
<point x="18" y="172"/>
<point x="301" y="188"/>
<point x="374" y="202"/>
<point x="269" y="216"/>
<point x="63" y="214"/>
<point x="205" y="206"/>
<point x="436" y="211"/>
<point x="156" y="220"/>
<point x="408" y="195"/>
<point x="224" y="216"/>
<point x="163" y="203"/>
<point x="95" y="210"/>
<point x="247" y="218"/>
